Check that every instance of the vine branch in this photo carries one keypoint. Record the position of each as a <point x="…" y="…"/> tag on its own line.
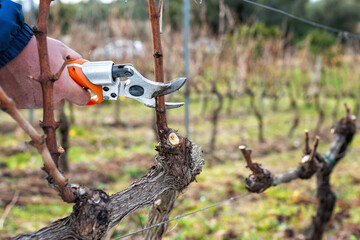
<point x="47" y="80"/>
<point x="161" y="121"/>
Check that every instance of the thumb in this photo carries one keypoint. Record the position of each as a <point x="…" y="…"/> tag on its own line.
<point x="71" y="90"/>
<point x="76" y="94"/>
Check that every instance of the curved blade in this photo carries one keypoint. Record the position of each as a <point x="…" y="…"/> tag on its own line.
<point x="151" y="103"/>
<point x="139" y="87"/>
<point x="171" y="105"/>
<point x="168" y="88"/>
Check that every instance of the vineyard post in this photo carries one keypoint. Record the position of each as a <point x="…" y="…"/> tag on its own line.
<point x="32" y="22"/>
<point x="187" y="64"/>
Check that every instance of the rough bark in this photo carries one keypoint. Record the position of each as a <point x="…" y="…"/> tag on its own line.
<point x="159" y="212"/>
<point x="327" y="200"/>
<point x="176" y="167"/>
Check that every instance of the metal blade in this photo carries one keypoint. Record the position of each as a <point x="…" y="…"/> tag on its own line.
<point x="168" y="88"/>
<point x="170" y="105"/>
<point x="151" y="103"/>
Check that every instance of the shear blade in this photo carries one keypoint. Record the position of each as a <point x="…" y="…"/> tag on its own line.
<point x="168" y="88"/>
<point x="169" y="105"/>
<point x="151" y="103"/>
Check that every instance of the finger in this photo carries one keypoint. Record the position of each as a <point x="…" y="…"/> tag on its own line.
<point x="67" y="88"/>
<point x="77" y="94"/>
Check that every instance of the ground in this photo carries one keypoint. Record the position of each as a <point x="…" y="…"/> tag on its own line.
<point x="110" y="156"/>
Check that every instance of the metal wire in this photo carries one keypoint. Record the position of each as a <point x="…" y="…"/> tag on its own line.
<point x="331" y="29"/>
<point x="184" y="215"/>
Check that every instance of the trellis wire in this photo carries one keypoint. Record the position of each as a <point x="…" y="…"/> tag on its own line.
<point x="177" y="218"/>
<point x="318" y="25"/>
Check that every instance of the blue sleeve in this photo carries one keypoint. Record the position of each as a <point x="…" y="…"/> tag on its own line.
<point x="14" y="33"/>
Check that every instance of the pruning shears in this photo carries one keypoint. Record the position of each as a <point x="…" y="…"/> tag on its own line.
<point x="104" y="79"/>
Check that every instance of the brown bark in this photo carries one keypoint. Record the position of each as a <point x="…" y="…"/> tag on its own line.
<point x="176" y="167"/>
<point x="159" y="212"/>
<point x="327" y="200"/>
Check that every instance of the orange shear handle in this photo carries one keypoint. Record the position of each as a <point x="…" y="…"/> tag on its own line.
<point x="78" y="76"/>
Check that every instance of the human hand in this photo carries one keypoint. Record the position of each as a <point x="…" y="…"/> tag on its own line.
<point x="26" y="92"/>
